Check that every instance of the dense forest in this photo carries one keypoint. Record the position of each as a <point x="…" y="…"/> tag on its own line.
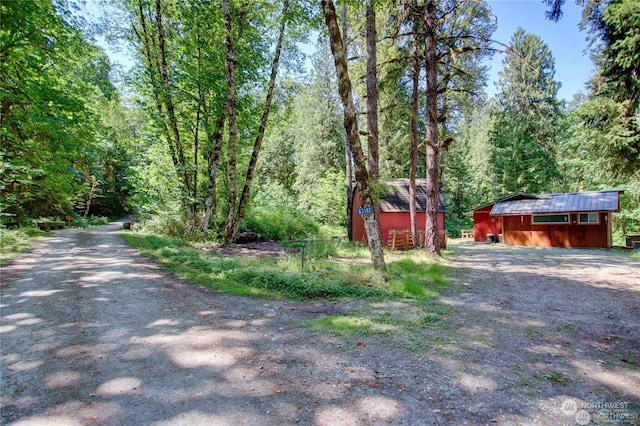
<point x="221" y="127"/>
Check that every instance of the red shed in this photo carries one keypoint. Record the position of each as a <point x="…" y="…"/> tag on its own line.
<point x="394" y="211"/>
<point x="578" y="219"/>
<point x="485" y="225"/>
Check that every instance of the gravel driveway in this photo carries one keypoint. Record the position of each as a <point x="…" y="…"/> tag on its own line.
<point x="93" y="334"/>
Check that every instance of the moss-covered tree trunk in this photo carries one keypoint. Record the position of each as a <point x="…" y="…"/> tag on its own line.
<point x="351" y="128"/>
<point x="431" y="242"/>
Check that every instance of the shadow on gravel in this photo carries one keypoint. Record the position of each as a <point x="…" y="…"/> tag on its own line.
<point x="93" y="334"/>
<point x="553" y="331"/>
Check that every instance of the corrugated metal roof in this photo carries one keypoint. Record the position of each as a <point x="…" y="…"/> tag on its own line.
<point x="397" y="196"/>
<point x="561" y="203"/>
<point x="510" y="197"/>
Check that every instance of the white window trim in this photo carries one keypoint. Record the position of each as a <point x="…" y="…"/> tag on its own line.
<point x="566" y="215"/>
<point x="597" y="222"/>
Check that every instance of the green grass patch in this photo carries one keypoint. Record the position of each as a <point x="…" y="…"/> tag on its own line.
<point x="268" y="278"/>
<point x="403" y="303"/>
<point x="326" y="274"/>
<point x="434" y="311"/>
<point x="525" y="382"/>
<point x="402" y="318"/>
<point x="417" y="279"/>
<point x="554" y="376"/>
<point x="16" y="241"/>
<point x="347" y="325"/>
<point x="316" y="249"/>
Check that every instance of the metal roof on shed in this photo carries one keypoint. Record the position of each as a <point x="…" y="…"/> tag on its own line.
<point x="396" y="198"/>
<point x="561" y="203"/>
<point x="519" y="195"/>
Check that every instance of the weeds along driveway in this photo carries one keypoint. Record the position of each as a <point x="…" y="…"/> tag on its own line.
<point x="91" y="333"/>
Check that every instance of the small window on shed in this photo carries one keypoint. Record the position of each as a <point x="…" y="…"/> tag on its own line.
<point x="542" y="219"/>
<point x="591" y="217"/>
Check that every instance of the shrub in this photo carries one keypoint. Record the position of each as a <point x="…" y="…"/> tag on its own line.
<point x="173" y="226"/>
<point x="279" y="225"/>
<point x="455" y="225"/>
<point x="327" y="201"/>
<point x="85" y="222"/>
<point x="14" y="242"/>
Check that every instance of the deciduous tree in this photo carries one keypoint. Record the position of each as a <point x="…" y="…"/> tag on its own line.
<point x="351" y="127"/>
<point x="53" y="86"/>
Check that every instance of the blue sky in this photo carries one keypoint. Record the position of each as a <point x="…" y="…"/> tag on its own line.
<point x="566" y="41"/>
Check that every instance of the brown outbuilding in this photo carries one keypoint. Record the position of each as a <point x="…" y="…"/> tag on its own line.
<point x="578" y="219"/>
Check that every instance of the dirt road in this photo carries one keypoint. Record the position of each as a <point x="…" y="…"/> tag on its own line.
<point x="93" y="334"/>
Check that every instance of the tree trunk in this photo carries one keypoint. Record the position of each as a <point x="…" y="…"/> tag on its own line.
<point x="432" y="244"/>
<point x="351" y="128"/>
<point x="413" y="171"/>
<point x="233" y="129"/>
<point x="348" y="155"/>
<point x="372" y="93"/>
<point x="372" y="106"/>
<point x="215" y="139"/>
<point x="246" y="190"/>
<point x="188" y="195"/>
<point x="90" y="197"/>
<point x="153" y="70"/>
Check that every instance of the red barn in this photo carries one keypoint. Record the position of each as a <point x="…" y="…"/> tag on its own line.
<point x="394" y="213"/>
<point x="579" y="219"/>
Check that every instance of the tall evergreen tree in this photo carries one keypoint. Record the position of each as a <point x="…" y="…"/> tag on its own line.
<point x="613" y="111"/>
<point x="318" y="139"/>
<point x="524" y="136"/>
<point x="452" y="36"/>
<point x="473" y="135"/>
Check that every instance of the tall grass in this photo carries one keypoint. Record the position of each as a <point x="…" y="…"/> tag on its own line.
<point x="270" y="278"/>
<point x="325" y="275"/>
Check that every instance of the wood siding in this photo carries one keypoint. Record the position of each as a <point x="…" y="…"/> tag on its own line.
<point x="484" y="224"/>
<point x="388" y="221"/>
<point x="519" y="230"/>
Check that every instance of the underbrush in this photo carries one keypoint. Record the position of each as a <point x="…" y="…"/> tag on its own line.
<point x="75" y="221"/>
<point x="85" y="222"/>
<point x="277" y="225"/>
<point x="172" y="227"/>
<point x="16" y="241"/>
<point x="332" y="270"/>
